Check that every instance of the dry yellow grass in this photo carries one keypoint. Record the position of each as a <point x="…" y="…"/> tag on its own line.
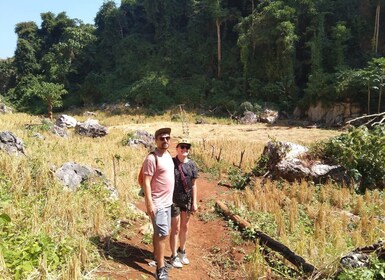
<point x="83" y="215"/>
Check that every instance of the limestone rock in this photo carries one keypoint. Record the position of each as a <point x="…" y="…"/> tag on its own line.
<point x="72" y="175"/>
<point x="11" y="144"/>
<point x="91" y="128"/>
<point x="291" y="162"/>
<point x="66" y="121"/>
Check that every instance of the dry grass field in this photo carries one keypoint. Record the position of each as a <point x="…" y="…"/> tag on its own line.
<point x="311" y="220"/>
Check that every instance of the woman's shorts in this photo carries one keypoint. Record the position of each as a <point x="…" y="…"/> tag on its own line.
<point x="177" y="208"/>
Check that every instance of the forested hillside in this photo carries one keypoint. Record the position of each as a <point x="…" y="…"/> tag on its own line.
<point x="206" y="54"/>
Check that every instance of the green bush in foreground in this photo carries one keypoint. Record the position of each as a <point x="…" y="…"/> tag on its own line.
<point x="362" y="152"/>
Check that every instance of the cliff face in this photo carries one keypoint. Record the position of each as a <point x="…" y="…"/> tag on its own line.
<point x="338" y="114"/>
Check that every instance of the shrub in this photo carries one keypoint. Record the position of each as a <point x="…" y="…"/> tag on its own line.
<point x="362" y="152"/>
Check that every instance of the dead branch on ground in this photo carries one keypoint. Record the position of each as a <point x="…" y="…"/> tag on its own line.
<point x="368" y="120"/>
<point x="265" y="240"/>
<point x="378" y="248"/>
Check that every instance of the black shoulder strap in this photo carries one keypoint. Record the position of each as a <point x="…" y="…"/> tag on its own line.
<point x="156" y="158"/>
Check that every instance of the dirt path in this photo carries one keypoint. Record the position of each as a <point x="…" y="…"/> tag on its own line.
<point x="210" y="245"/>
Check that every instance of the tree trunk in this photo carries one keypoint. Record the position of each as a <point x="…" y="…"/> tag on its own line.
<point x="219" y="47"/>
<point x="50" y="107"/>
<point x="376" y="28"/>
<point x="369" y="97"/>
<point x="379" y="97"/>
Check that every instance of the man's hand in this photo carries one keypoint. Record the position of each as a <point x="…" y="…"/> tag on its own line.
<point x="150" y="210"/>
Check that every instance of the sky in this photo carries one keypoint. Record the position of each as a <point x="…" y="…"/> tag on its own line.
<point x="15" y="11"/>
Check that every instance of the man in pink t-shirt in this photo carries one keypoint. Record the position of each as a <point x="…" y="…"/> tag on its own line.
<point x="159" y="181"/>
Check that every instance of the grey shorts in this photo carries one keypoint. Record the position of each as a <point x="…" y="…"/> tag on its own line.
<point x="162" y="221"/>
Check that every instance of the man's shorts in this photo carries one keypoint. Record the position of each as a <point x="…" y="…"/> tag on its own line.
<point x="162" y="221"/>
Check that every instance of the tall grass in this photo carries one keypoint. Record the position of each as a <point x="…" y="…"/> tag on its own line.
<point x="318" y="222"/>
<point x="51" y="232"/>
<point x="47" y="232"/>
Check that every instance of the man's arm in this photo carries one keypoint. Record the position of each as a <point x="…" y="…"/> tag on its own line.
<point x="147" y="196"/>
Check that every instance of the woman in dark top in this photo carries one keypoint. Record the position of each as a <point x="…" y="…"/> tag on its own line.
<point x="184" y="202"/>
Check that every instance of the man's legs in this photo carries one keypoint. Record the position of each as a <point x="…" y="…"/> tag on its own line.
<point x="161" y="225"/>
<point x="159" y="248"/>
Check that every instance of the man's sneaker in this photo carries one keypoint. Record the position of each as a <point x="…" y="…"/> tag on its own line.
<point x="175" y="262"/>
<point x="182" y="256"/>
<point x="167" y="264"/>
<point x="161" y="274"/>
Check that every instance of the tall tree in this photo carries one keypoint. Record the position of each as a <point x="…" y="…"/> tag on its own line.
<point x="7" y="75"/>
<point x="28" y="45"/>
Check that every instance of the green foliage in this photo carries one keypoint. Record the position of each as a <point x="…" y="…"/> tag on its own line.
<point x="157" y="54"/>
<point x="51" y="93"/>
<point x="23" y="251"/>
<point x="362" y="152"/>
<point x="320" y="87"/>
<point x="127" y="138"/>
<point x="151" y="91"/>
<point x="261" y="167"/>
<point x="237" y="178"/>
<point x="7" y="76"/>
<point x="247" y="106"/>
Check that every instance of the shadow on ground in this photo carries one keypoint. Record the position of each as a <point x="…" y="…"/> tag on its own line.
<point x="134" y="257"/>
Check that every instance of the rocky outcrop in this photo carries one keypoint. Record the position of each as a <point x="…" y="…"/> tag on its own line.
<point x="91" y="128"/>
<point x="141" y="138"/>
<point x="291" y="162"/>
<point x="59" y="131"/>
<point x="249" y="118"/>
<point x="11" y="144"/>
<point x="268" y="116"/>
<point x="336" y="115"/>
<point x="73" y="175"/>
<point x="66" y="121"/>
<point x="4" y="109"/>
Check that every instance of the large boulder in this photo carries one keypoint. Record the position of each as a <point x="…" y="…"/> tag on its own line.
<point x="91" y="128"/>
<point x="4" y="109"/>
<point x="66" y="121"/>
<point x="72" y="175"/>
<point x="268" y="116"/>
<point x="141" y="138"/>
<point x="59" y="131"/>
<point x="291" y="162"/>
<point x="249" y="117"/>
<point x="11" y="144"/>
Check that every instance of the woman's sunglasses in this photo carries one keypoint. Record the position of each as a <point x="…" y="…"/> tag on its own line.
<point x="184" y="147"/>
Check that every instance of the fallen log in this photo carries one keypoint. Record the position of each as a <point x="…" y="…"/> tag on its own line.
<point x="265" y="240"/>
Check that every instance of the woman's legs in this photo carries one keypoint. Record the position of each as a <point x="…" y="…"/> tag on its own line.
<point x="184" y="222"/>
<point x="175" y="229"/>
